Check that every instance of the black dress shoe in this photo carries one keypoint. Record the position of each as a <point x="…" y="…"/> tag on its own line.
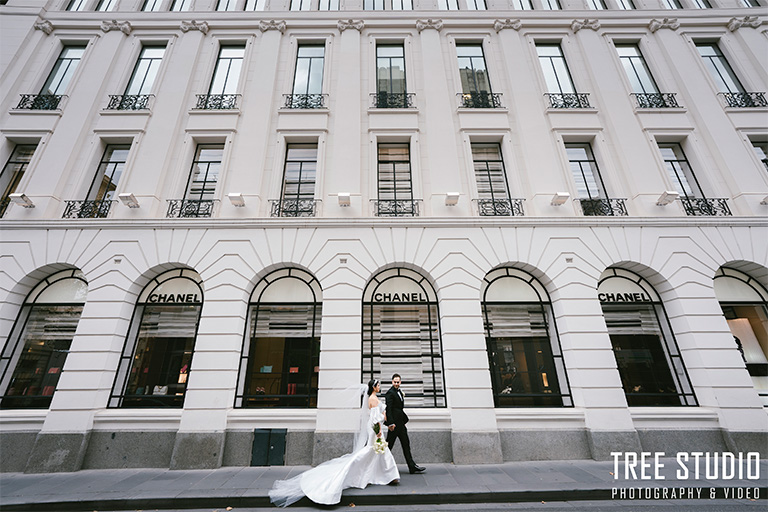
<point x="417" y="469"/>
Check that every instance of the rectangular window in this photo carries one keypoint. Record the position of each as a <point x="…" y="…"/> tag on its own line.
<point x="390" y="76"/>
<point x="586" y="175"/>
<point x="106" y="5"/>
<point x="702" y="4"/>
<point x="492" y="188"/>
<point x="555" y="69"/>
<point x="204" y="174"/>
<point x="750" y="3"/>
<point x="181" y="5"/>
<point x="472" y="70"/>
<point x="109" y="172"/>
<point x="522" y="5"/>
<point x="718" y="67"/>
<point x="297" y="198"/>
<point x="373" y="5"/>
<point x="551" y="5"/>
<point x="301" y="5"/>
<point x="76" y="5"/>
<point x="309" y="70"/>
<point x="597" y="5"/>
<point x="639" y="75"/>
<point x="395" y="189"/>
<point x="761" y="150"/>
<point x="679" y="170"/>
<point x="152" y="5"/>
<point x="226" y="76"/>
<point x="329" y="5"/>
<point x="253" y="5"/>
<point x="625" y="5"/>
<point x="672" y="4"/>
<point x="402" y="5"/>
<point x="469" y="5"/>
<point x="226" y="5"/>
<point x="382" y="5"/>
<point x="145" y="72"/>
<point x="63" y="70"/>
<point x="13" y="171"/>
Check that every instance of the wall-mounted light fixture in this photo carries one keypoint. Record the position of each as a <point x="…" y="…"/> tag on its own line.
<point x="237" y="199"/>
<point x="128" y="200"/>
<point x="559" y="198"/>
<point x="22" y="200"/>
<point x="667" y="197"/>
<point x="451" y="198"/>
<point x="344" y="199"/>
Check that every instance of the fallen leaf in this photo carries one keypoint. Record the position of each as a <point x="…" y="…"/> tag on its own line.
<point x="229" y="508"/>
<point x="351" y="504"/>
<point x="610" y="472"/>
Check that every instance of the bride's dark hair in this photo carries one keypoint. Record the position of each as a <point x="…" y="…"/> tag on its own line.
<point x="372" y="384"/>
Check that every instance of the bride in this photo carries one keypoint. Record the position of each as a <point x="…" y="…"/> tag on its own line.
<point x="369" y="463"/>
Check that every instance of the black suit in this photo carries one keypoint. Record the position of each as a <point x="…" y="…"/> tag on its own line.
<point x="396" y="415"/>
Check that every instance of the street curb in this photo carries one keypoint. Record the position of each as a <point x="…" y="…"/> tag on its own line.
<point x="436" y="498"/>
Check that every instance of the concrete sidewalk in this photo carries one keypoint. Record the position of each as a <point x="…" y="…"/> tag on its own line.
<point x="142" y="489"/>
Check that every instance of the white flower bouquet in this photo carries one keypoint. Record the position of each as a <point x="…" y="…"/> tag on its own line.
<point x="378" y="444"/>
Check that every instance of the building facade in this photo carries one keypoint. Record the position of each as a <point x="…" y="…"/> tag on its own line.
<point x="548" y="216"/>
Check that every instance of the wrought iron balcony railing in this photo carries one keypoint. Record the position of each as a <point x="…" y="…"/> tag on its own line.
<point x="293" y="207"/>
<point x="480" y="99"/>
<point x="396" y="207"/>
<point x="304" y="100"/>
<point x="744" y="99"/>
<point x="655" y="100"/>
<point x="4" y="203"/>
<point x="500" y="207"/>
<point x="217" y="101"/>
<point x="568" y="100"/>
<point x="129" y="101"/>
<point x="190" y="208"/>
<point x="601" y="207"/>
<point x="87" y="209"/>
<point x="392" y="99"/>
<point x="40" y="101"/>
<point x="706" y="206"/>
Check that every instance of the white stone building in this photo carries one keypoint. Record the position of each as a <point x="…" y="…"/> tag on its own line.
<point x="548" y="216"/>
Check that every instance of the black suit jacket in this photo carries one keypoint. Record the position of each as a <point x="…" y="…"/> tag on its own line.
<point x="395" y="412"/>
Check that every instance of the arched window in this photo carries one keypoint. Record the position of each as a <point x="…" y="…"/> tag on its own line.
<point x="651" y="368"/>
<point x="401" y="335"/>
<point x="524" y="351"/>
<point x="31" y="362"/>
<point x="155" y="362"/>
<point x="745" y="305"/>
<point x="280" y="361"/>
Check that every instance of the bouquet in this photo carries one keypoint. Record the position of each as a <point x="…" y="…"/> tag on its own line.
<point x="378" y="444"/>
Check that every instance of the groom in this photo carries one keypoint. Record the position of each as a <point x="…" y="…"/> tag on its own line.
<point x="396" y="420"/>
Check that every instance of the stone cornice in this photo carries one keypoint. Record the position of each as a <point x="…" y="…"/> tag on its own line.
<point x="45" y="26"/>
<point x="417" y="222"/>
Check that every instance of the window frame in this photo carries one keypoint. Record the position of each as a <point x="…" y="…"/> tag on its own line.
<point x="550" y="327"/>
<point x="634" y="62"/>
<point x="14" y="177"/>
<point x="54" y="69"/>
<point x="188" y="196"/>
<point x="12" y="350"/>
<point x="682" y="162"/>
<point x="245" y="362"/>
<point x="312" y="61"/>
<point x="685" y="391"/>
<point x="226" y="88"/>
<point x="127" y="360"/>
<point x="367" y="354"/>
<point x="709" y="62"/>
<point x="152" y="61"/>
<point x="550" y="60"/>
<point x="598" y="180"/>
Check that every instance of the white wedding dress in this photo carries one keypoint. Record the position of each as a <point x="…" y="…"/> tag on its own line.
<point x="324" y="484"/>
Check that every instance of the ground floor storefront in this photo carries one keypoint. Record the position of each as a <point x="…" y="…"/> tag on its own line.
<point x="201" y="344"/>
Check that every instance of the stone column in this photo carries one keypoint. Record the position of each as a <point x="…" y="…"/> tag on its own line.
<point x="343" y="163"/>
<point x="255" y="132"/>
<point x="88" y="373"/>
<point x="716" y="369"/>
<point x="590" y="363"/>
<point x="212" y="380"/>
<point x="84" y="98"/>
<point x="438" y="103"/>
<point x="340" y="359"/>
<point x="174" y="97"/>
<point x="474" y="434"/>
